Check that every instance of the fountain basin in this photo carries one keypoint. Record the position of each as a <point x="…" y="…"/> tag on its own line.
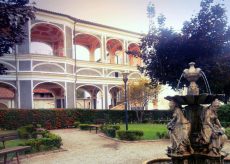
<point x="194" y="99"/>
<point x="169" y="161"/>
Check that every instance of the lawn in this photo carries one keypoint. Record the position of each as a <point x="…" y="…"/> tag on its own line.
<point x="11" y="143"/>
<point x="150" y="130"/>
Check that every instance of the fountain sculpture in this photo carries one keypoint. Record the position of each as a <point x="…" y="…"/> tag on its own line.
<point x="196" y="134"/>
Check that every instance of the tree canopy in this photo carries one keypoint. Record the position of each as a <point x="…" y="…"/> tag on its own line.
<point x="13" y="17"/>
<point x="140" y="93"/>
<point x="204" y="39"/>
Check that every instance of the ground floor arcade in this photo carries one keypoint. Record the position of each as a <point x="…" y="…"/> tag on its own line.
<point x="56" y="94"/>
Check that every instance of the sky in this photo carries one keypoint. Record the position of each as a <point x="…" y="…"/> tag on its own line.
<point x="127" y="14"/>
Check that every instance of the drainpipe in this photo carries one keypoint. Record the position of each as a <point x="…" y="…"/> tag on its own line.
<point x="75" y="66"/>
<point x="16" y="75"/>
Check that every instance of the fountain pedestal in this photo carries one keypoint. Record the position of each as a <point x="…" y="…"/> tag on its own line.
<point x="195" y="131"/>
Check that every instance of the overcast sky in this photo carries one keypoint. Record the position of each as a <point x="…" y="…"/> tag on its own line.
<point x="126" y="14"/>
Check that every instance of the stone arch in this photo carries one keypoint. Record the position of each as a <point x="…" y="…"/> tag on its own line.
<point x="8" y="65"/>
<point x="90" y="71"/>
<point x="94" y="99"/>
<point x="7" y="94"/>
<point x="115" y="74"/>
<point x="90" y="42"/>
<point x="115" y="49"/>
<point x="49" y="95"/>
<point x="134" y="75"/>
<point x="115" y="93"/>
<point x="50" y="34"/>
<point x="134" y="61"/>
<point x="48" y="67"/>
<point x="3" y="106"/>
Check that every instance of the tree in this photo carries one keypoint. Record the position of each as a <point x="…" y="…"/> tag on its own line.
<point x="140" y="92"/>
<point x="14" y="15"/>
<point x="204" y="39"/>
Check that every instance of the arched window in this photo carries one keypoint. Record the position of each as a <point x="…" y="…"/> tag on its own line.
<point x="82" y="53"/>
<point x="41" y="48"/>
<point x="48" y="35"/>
<point x="115" y="48"/>
<point x="97" y="54"/>
<point x="91" y="43"/>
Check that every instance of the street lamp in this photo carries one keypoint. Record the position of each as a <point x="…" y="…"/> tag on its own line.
<point x="125" y="79"/>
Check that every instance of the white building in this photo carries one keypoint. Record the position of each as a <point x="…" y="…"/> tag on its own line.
<point x="47" y="74"/>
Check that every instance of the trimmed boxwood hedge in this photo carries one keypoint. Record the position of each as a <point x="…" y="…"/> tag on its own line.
<point x="65" y="118"/>
<point x="110" y="130"/>
<point x="130" y="135"/>
<point x="84" y="126"/>
<point x="48" y="142"/>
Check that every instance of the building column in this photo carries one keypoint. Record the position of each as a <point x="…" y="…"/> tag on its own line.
<point x="91" y="55"/>
<point x="104" y="49"/>
<point x="25" y="94"/>
<point x="105" y="96"/>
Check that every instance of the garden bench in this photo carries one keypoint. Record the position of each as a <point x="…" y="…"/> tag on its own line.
<point x="5" y="151"/>
<point x="97" y="124"/>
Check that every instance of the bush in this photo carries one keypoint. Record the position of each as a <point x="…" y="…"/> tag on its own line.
<point x="110" y="132"/>
<point x="84" y="126"/>
<point x="227" y="132"/>
<point x="130" y="135"/>
<point x="225" y="124"/>
<point x="50" y="141"/>
<point x="76" y="124"/>
<point x="26" y="132"/>
<point x="59" y="118"/>
<point x="224" y="114"/>
<point x="116" y="127"/>
<point x="162" y="135"/>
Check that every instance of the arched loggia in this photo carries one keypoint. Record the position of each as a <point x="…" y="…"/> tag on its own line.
<point x="49" y="95"/>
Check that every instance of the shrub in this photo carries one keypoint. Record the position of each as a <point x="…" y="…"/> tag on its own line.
<point x="84" y="126"/>
<point x="162" y="135"/>
<point x="50" y="141"/>
<point x="26" y="132"/>
<point x="76" y="124"/>
<point x="55" y="140"/>
<point x="225" y="124"/>
<point x="224" y="113"/>
<point x="58" y="118"/>
<point x="145" y="121"/>
<point x="227" y="132"/>
<point x="130" y="135"/>
<point x="116" y="127"/>
<point x="110" y="132"/>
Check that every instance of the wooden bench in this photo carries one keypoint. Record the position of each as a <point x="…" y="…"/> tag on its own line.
<point x="97" y="124"/>
<point x="5" y="151"/>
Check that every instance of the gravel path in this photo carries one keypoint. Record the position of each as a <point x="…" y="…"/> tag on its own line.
<point x="83" y="147"/>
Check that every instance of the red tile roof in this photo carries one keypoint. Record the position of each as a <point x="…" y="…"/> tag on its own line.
<point x="41" y="90"/>
<point x="6" y="93"/>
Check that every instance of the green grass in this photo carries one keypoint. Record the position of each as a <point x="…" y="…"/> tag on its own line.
<point x="149" y="130"/>
<point x="10" y="143"/>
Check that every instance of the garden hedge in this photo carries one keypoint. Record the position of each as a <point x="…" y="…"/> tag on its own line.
<point x="64" y="118"/>
<point x="130" y="135"/>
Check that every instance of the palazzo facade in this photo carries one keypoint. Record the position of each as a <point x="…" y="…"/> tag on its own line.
<point x="65" y="62"/>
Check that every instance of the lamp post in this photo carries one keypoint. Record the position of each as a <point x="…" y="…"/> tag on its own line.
<point x="125" y="79"/>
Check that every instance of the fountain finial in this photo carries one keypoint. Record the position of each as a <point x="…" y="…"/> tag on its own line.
<point x="192" y="75"/>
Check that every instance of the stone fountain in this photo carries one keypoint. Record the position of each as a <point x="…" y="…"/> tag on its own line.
<point x="196" y="134"/>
